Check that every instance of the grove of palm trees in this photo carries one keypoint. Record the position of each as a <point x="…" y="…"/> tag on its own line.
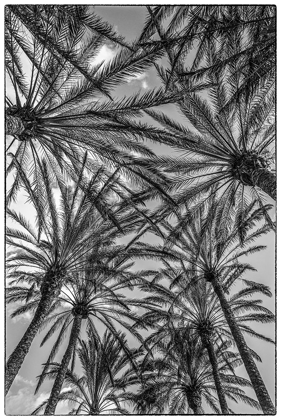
<point x="140" y="209"/>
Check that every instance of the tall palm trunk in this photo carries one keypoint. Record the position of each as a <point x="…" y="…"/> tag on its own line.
<point x="207" y="343"/>
<point x="195" y="402"/>
<point x="195" y="407"/>
<point x="14" y="125"/>
<point x="254" y="375"/>
<point x="266" y="181"/>
<point x="53" y="400"/>
<point x="17" y="357"/>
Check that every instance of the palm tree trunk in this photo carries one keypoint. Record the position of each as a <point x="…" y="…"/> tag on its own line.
<point x="17" y="357"/>
<point x="14" y="125"/>
<point x="195" y="402"/>
<point x="254" y="375"/>
<point x="196" y="409"/>
<point x="266" y="181"/>
<point x="213" y="360"/>
<point x="54" y="397"/>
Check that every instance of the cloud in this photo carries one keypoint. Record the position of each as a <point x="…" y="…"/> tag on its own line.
<point x="41" y="398"/>
<point x="24" y="318"/>
<point x="25" y="402"/>
<point x="66" y="389"/>
<point x="135" y="308"/>
<point x="144" y="84"/>
<point x="139" y="78"/>
<point x="105" y="54"/>
<point x="62" y="408"/>
<point x="20" y="379"/>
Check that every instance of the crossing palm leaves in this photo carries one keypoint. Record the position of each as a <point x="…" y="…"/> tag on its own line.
<point x="71" y="225"/>
<point x="97" y="297"/>
<point x="232" y="154"/>
<point x="210" y="252"/>
<point x="56" y="107"/>
<point x="78" y="152"/>
<point x="95" y="391"/>
<point x="194" y="307"/>
<point x="179" y="377"/>
<point x="230" y="148"/>
<point x="63" y="22"/>
<point x="245" y="37"/>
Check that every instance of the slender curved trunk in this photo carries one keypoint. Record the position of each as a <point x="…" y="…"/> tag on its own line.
<point x="14" y="125"/>
<point x="17" y="357"/>
<point x="54" y="397"/>
<point x="213" y="360"/>
<point x="266" y="181"/>
<point x="254" y="375"/>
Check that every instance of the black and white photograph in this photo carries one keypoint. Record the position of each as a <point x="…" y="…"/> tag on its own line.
<point x="140" y="209"/>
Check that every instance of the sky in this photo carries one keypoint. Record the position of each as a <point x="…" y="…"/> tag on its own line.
<point x="128" y="21"/>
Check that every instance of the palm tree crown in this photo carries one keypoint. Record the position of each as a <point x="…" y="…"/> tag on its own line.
<point x="224" y="145"/>
<point x="63" y="243"/>
<point x="62" y="106"/>
<point x="179" y="376"/>
<point x="95" y="391"/>
<point x="102" y="200"/>
<point x="209" y="251"/>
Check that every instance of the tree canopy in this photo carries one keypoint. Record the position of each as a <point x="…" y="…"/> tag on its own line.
<point x="147" y="171"/>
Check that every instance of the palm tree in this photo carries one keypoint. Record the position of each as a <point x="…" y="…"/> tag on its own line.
<point x="61" y="104"/>
<point x="67" y="234"/>
<point x="179" y="376"/>
<point x="229" y="148"/>
<point x="210" y="252"/>
<point x="203" y="315"/>
<point x="56" y="31"/>
<point x="194" y="307"/>
<point x="91" y="298"/>
<point x="203" y="320"/>
<point x="229" y="152"/>
<point x="96" y="392"/>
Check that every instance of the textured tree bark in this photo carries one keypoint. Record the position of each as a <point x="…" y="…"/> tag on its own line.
<point x="17" y="357"/>
<point x="213" y="360"/>
<point x="14" y="125"/>
<point x="254" y="375"/>
<point x="266" y="181"/>
<point x="53" y="399"/>
<point x="195" y="403"/>
<point x="196" y="409"/>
